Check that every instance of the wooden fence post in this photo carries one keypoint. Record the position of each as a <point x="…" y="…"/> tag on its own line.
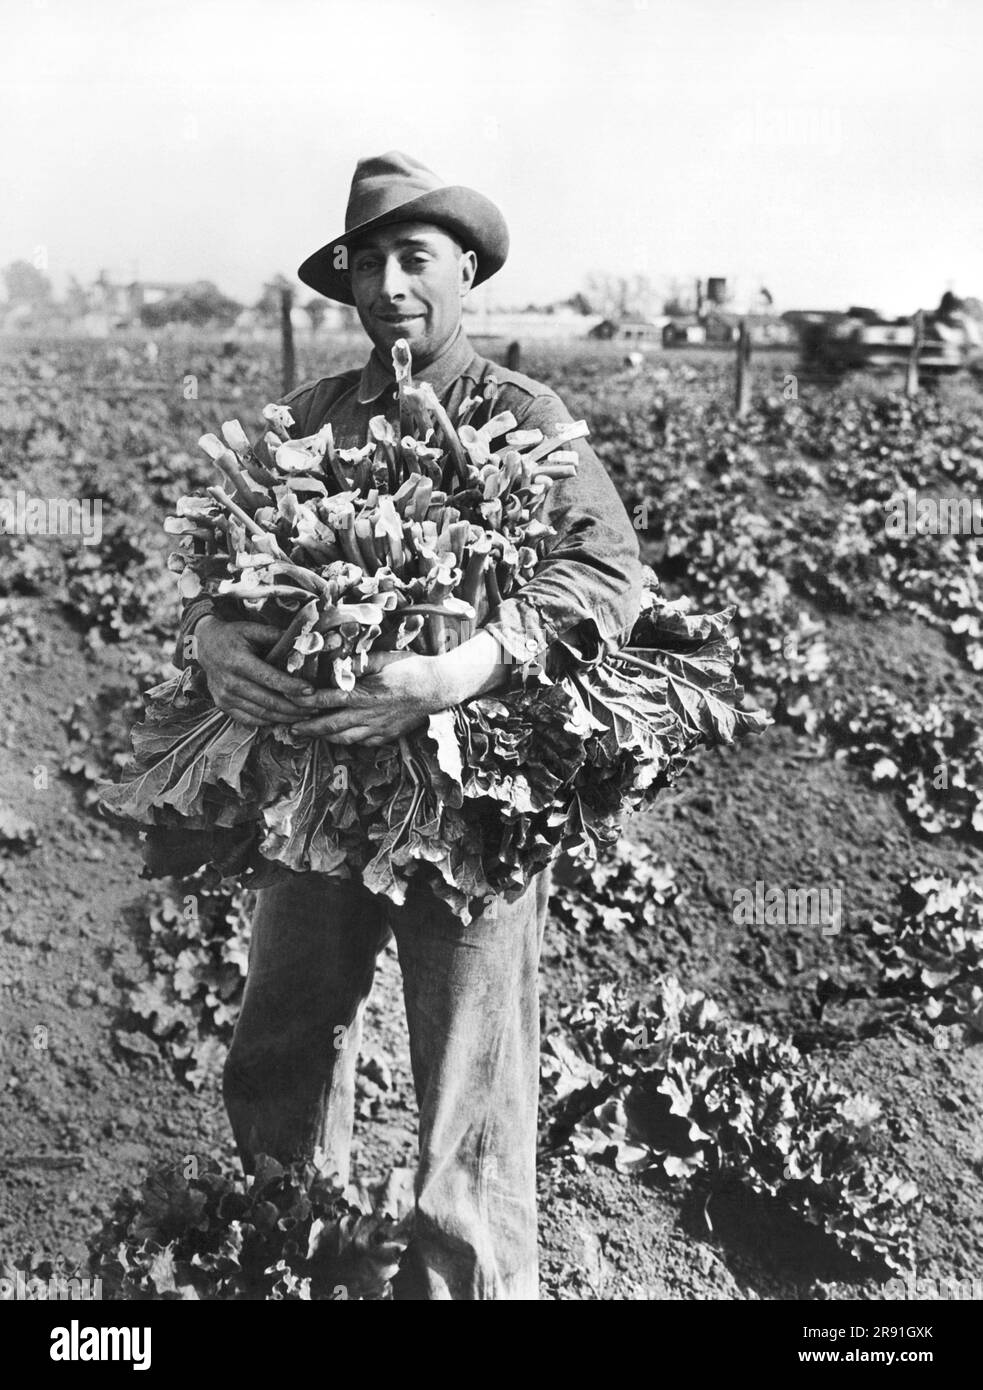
<point x="513" y="356"/>
<point x="288" y="356"/>
<point x="911" y="372"/>
<point x="743" y="398"/>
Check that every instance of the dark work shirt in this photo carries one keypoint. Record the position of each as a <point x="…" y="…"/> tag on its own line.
<point x="589" y="584"/>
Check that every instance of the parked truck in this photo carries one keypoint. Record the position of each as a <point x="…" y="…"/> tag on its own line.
<point x="864" y="340"/>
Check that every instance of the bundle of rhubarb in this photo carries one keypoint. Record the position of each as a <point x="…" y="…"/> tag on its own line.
<point x="410" y="542"/>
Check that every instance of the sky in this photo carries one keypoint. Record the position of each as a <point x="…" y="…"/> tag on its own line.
<point x="829" y="150"/>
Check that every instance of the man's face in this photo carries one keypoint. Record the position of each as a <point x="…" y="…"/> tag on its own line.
<point x="408" y="281"/>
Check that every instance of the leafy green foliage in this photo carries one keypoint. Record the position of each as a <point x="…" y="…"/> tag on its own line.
<point x="933" y="757"/>
<point x="18" y="629"/>
<point x="117" y="593"/>
<point x="710" y="495"/>
<point x="196" y="955"/>
<point x="672" y="1087"/>
<point x="59" y="1276"/>
<point x="16" y="832"/>
<point x="932" y="953"/>
<point x="26" y="567"/>
<point x="289" y="1235"/>
<point x="624" y="889"/>
<point x="94" y="728"/>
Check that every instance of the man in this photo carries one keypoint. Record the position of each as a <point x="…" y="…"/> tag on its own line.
<point x="411" y="251"/>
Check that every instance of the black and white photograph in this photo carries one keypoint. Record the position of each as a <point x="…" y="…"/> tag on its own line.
<point x="491" y="650"/>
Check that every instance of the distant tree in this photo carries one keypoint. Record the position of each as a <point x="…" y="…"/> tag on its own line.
<point x="952" y="304"/>
<point x="606" y="293"/>
<point x="580" y="304"/>
<point x="680" y="300"/>
<point x="952" y="307"/>
<point x="26" y="284"/>
<point x="201" y="304"/>
<point x="619" y="296"/>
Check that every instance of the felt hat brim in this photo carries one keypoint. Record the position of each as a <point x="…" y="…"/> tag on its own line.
<point x="469" y="216"/>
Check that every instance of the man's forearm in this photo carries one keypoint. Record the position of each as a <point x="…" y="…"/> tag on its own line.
<point x="474" y="668"/>
<point x="479" y="666"/>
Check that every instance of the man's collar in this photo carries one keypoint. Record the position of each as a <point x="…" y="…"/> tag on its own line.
<point x="441" y="372"/>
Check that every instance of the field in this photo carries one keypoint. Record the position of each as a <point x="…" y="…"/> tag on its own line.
<point x="818" y="1137"/>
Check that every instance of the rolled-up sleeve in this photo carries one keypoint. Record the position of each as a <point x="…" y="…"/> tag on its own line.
<point x="588" y="587"/>
<point x="192" y="611"/>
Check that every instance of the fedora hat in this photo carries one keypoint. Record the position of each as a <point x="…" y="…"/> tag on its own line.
<point x="392" y="187"/>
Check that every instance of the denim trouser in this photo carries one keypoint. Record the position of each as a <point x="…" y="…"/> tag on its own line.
<point x="472" y="1009"/>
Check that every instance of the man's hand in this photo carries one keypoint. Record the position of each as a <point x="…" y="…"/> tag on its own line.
<point x="399" y="691"/>
<point x="240" y="682"/>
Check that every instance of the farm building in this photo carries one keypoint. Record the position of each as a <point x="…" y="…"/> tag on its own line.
<point x="767" y="330"/>
<point x="117" y="304"/>
<point x="144" y="293"/>
<point x="632" y="328"/>
<point x="717" y="326"/>
<point x="684" y="330"/>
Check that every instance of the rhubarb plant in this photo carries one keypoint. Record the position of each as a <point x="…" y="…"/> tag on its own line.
<point x="670" y="1087"/>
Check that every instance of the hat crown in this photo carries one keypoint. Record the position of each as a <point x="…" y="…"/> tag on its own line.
<point x="383" y="182"/>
